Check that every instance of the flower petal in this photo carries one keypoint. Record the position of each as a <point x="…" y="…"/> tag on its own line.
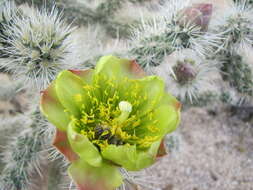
<point x="114" y="67"/>
<point x="53" y="109"/>
<point x="62" y="144"/>
<point x="129" y="157"/>
<point x="152" y="88"/>
<point x="83" y="147"/>
<point x="168" y="119"/>
<point x="162" y="150"/>
<point x="165" y="119"/>
<point x="175" y="105"/>
<point x="136" y="69"/>
<point x="87" y="177"/>
<point x="85" y="75"/>
<point x="68" y="87"/>
<point x="172" y="101"/>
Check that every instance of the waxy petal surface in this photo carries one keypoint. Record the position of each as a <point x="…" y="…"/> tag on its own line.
<point x="83" y="147"/>
<point x="152" y="89"/>
<point x="129" y="157"/>
<point x="70" y="91"/>
<point x="53" y="109"/>
<point x="85" y="75"/>
<point x="114" y="67"/>
<point x="87" y="177"/>
<point x="62" y="144"/>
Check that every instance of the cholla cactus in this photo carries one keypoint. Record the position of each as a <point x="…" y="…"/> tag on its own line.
<point x="179" y="27"/>
<point x="96" y="12"/>
<point x="237" y="26"/>
<point x="23" y="156"/>
<point x="187" y="75"/>
<point x="37" y="3"/>
<point x="9" y="91"/>
<point x="137" y="180"/>
<point x="238" y="73"/>
<point x="9" y="126"/>
<point x="39" y="47"/>
<point x="237" y="29"/>
<point x="242" y="1"/>
<point x="8" y="11"/>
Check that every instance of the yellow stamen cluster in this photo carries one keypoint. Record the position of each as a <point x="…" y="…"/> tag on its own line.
<point x="111" y="107"/>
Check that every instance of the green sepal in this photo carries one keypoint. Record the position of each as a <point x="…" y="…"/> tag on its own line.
<point x="104" y="177"/>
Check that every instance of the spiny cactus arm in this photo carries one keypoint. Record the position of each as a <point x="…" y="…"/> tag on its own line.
<point x="22" y="157"/>
<point x="182" y="28"/>
<point x="199" y="14"/>
<point x="108" y="8"/>
<point x="24" y="154"/>
<point x="238" y="73"/>
<point x="38" y="55"/>
<point x="10" y="90"/>
<point x="9" y="126"/>
<point x="77" y="12"/>
<point x="103" y="14"/>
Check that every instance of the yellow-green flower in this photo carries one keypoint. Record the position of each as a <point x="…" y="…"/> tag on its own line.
<point x="109" y="117"/>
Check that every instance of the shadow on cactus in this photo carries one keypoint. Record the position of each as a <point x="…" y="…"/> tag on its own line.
<point x="109" y="118"/>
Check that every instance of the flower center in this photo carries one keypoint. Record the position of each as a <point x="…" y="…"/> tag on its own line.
<point x="110" y="115"/>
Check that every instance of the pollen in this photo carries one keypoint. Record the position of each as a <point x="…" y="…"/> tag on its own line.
<point x="147" y="141"/>
<point x="153" y="128"/>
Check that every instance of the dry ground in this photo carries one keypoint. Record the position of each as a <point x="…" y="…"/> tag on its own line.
<point x="215" y="153"/>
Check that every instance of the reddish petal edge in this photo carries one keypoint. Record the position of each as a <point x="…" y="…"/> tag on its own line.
<point x="136" y="69"/>
<point x="80" y="73"/>
<point x="161" y="151"/>
<point x="178" y="106"/>
<point x="85" y="75"/>
<point x="62" y="144"/>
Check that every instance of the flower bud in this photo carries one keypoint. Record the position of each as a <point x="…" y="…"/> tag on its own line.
<point x="198" y="14"/>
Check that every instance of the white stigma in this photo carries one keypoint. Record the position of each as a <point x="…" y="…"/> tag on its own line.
<point x="125" y="106"/>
